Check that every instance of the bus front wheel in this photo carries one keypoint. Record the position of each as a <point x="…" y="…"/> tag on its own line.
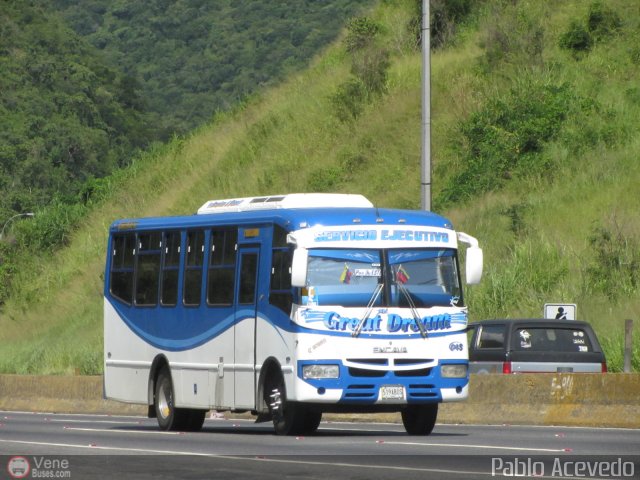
<point x="288" y="418"/>
<point x="419" y="419"/>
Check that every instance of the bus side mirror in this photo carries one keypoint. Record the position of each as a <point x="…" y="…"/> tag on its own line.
<point x="474" y="265"/>
<point x="299" y="267"/>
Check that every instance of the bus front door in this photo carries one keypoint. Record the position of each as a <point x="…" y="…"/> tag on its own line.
<point x="245" y="327"/>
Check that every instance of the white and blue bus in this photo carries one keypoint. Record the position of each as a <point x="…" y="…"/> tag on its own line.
<point x="288" y="307"/>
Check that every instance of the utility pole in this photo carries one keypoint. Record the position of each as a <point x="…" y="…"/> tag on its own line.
<point x="426" y="108"/>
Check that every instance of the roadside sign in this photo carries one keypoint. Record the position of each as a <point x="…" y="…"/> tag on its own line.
<point x="560" y="311"/>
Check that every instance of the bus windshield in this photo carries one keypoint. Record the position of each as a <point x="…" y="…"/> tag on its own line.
<point x="349" y="277"/>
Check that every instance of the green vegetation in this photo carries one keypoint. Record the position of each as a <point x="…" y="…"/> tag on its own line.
<point x="535" y="151"/>
<point x="193" y="58"/>
<point x="87" y="85"/>
<point x="64" y="114"/>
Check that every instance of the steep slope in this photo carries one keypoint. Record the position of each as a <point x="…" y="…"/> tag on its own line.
<point x="548" y="128"/>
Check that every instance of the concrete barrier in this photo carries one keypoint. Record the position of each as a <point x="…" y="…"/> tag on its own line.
<point x="610" y="400"/>
<point x="60" y="394"/>
<point x="595" y="400"/>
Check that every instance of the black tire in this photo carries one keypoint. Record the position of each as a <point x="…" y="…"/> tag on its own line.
<point x="311" y="421"/>
<point x="195" y="420"/>
<point x="169" y="417"/>
<point x="419" y="419"/>
<point x="288" y="417"/>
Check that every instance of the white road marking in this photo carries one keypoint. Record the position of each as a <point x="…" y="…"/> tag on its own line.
<point x="488" y="447"/>
<point x="71" y="420"/>
<point x="92" y="415"/>
<point x="386" y="442"/>
<point x="110" y="430"/>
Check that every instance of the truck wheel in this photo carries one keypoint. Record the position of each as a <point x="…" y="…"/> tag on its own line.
<point x="419" y="419"/>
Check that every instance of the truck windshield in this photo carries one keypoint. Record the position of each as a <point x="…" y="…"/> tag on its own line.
<point x="349" y="277"/>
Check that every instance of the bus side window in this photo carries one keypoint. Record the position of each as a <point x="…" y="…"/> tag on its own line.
<point x="280" y="294"/>
<point x="121" y="284"/>
<point x="193" y="268"/>
<point x="248" y="279"/>
<point x="148" y="269"/>
<point x="170" y="266"/>
<point x="222" y="267"/>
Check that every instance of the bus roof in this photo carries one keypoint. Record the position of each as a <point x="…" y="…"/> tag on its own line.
<point x="292" y="200"/>
<point x="290" y="217"/>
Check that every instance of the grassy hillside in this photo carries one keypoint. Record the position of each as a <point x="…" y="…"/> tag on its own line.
<point x="535" y="150"/>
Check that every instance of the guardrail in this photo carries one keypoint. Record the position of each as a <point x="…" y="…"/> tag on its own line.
<point x="597" y="400"/>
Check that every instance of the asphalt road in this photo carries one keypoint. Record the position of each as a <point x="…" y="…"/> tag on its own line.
<point x="89" y="446"/>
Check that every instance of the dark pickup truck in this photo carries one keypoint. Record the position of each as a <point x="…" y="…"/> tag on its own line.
<point x="532" y="345"/>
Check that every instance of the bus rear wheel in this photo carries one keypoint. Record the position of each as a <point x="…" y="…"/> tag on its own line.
<point x="195" y="420"/>
<point x="419" y="419"/>
<point x="172" y="418"/>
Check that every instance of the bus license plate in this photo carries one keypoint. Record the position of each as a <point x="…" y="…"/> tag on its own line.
<point x="391" y="392"/>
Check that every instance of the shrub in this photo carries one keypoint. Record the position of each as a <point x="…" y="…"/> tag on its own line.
<point x="516" y="213"/>
<point x="576" y="38"/>
<point x="615" y="268"/>
<point x="50" y="227"/>
<point x="360" y="33"/>
<point x="325" y="179"/>
<point x="507" y="137"/>
<point x="371" y="66"/>
<point x="602" y="21"/>
<point x="515" y="37"/>
<point x="613" y="348"/>
<point x="7" y="270"/>
<point x="348" y="101"/>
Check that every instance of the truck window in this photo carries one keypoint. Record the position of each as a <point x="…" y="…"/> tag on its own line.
<point x="491" y="336"/>
<point x="552" y="340"/>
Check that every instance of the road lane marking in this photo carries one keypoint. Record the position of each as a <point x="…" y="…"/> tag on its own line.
<point x="386" y="442"/>
<point x="92" y="415"/>
<point x="68" y="420"/>
<point x="487" y="447"/>
<point x="115" y="430"/>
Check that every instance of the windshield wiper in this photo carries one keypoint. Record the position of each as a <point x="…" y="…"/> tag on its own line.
<point x="372" y="302"/>
<point x="414" y="310"/>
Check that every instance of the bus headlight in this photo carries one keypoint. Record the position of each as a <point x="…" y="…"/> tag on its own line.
<point x="453" y="371"/>
<point x="320" y="371"/>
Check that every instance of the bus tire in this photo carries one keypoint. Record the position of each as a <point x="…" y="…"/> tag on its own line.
<point x="311" y="421"/>
<point x="288" y="417"/>
<point x="419" y="419"/>
<point x="169" y="417"/>
<point x="195" y="420"/>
